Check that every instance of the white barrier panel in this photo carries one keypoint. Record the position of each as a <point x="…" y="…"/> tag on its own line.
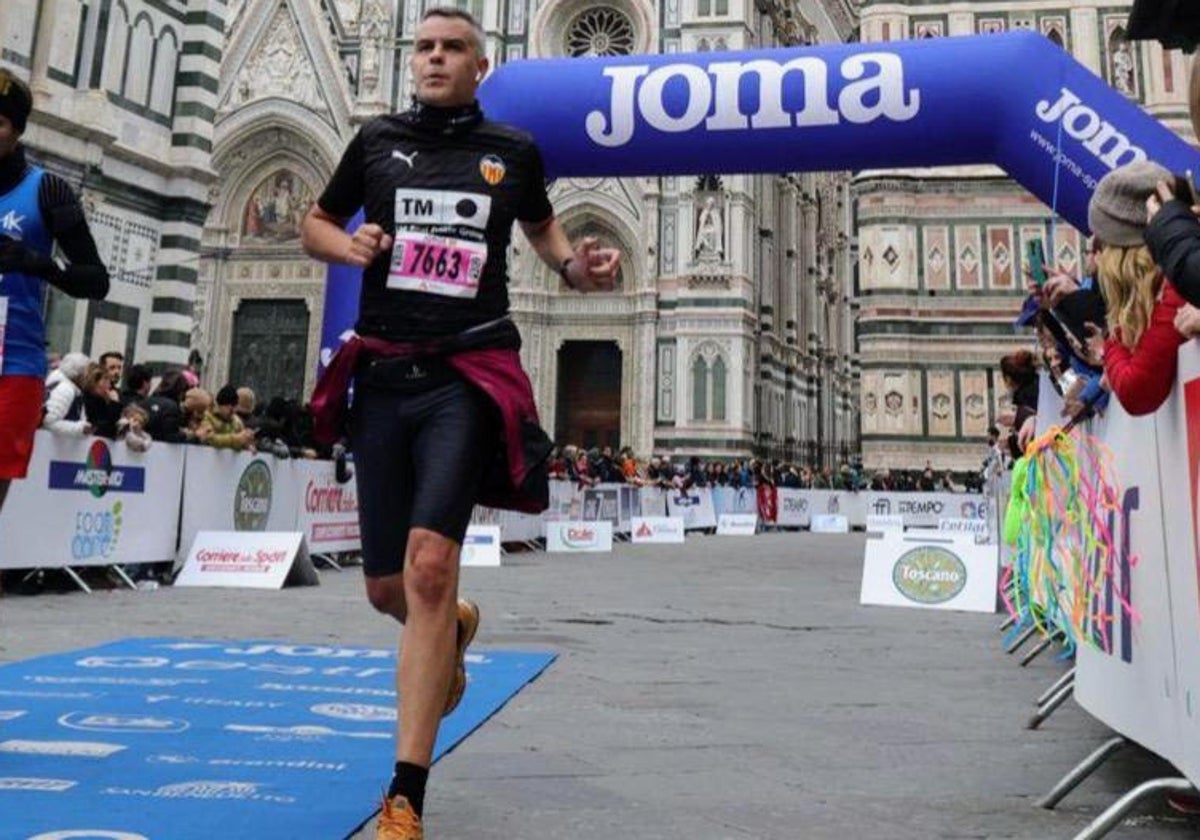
<point x="850" y="505"/>
<point x="653" y="501"/>
<point x="579" y="536"/>
<point x="734" y="500"/>
<point x="248" y="560"/>
<point x="615" y="503"/>
<point x="91" y="502"/>
<point x="1131" y="687"/>
<point x="907" y="570"/>
<point x="1179" y="463"/>
<point x="327" y="512"/>
<point x="791" y="507"/>
<point x="514" y="526"/>
<point x="481" y="546"/>
<point x="923" y="510"/>
<point x="737" y="524"/>
<point x="236" y="491"/>
<point x="694" y="506"/>
<point x="566" y="502"/>
<point x="885" y="524"/>
<point x="829" y="523"/>
<point x="657" y="529"/>
<point x="980" y="529"/>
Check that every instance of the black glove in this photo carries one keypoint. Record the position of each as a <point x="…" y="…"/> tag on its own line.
<point x="15" y="257"/>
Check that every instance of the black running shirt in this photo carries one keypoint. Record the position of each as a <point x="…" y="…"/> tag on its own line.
<point x="450" y="200"/>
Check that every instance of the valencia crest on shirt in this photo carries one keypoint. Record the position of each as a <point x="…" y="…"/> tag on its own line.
<point x="492" y="168"/>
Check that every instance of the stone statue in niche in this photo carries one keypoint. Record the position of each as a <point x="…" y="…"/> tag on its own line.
<point x="710" y="231"/>
<point x="1122" y="67"/>
<point x="374" y="28"/>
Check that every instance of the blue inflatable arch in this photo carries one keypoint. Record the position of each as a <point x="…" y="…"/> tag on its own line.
<point x="1015" y="100"/>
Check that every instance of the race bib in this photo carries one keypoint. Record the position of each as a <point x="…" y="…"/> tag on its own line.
<point x="3" y="328"/>
<point x="440" y="247"/>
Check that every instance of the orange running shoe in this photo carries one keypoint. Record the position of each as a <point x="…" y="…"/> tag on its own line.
<point x="468" y="623"/>
<point x="398" y="821"/>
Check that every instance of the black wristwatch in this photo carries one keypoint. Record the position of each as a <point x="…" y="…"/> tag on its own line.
<point x="562" y="271"/>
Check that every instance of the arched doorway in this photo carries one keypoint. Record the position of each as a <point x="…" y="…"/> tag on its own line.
<point x="589" y="394"/>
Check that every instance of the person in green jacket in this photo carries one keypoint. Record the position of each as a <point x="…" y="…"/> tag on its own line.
<point x="228" y="431"/>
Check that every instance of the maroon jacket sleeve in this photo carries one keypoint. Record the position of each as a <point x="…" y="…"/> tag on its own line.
<point x="1142" y="378"/>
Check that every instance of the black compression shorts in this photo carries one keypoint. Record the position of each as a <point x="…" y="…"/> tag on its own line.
<point x="421" y="437"/>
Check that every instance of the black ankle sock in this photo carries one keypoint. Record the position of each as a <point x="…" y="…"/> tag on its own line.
<point x="409" y="782"/>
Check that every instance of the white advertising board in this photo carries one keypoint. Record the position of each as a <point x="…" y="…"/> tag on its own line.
<point x="92" y="502"/>
<point x="980" y="529"/>
<point x="579" y="536"/>
<point x="657" y="529"/>
<point x="249" y="560"/>
<point x="792" y="510"/>
<point x="694" y="507"/>
<point x="327" y="512"/>
<point x="829" y="523"/>
<point x="737" y="524"/>
<point x="923" y="510"/>
<point x="236" y="491"/>
<point x="907" y="570"/>
<point x="481" y="546"/>
<point x="885" y="524"/>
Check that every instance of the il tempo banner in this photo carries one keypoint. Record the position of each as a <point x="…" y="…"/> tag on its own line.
<point x="91" y="502"/>
<point x="925" y="510"/>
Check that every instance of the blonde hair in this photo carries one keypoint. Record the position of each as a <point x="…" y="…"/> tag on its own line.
<point x="1130" y="282"/>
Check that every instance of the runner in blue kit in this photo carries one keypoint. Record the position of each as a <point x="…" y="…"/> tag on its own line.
<point x="37" y="210"/>
<point x="441" y="405"/>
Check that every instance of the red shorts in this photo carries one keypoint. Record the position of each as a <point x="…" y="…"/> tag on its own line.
<point x="21" y="400"/>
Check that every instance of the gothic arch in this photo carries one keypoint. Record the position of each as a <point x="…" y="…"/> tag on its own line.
<point x="588" y="215"/>
<point x="239" y="134"/>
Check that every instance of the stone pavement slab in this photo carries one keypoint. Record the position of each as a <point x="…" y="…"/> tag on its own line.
<point x="725" y="689"/>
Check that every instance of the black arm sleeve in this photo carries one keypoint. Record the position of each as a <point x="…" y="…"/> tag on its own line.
<point x="344" y="193"/>
<point x="1174" y="239"/>
<point x="535" y="204"/>
<point x="85" y="276"/>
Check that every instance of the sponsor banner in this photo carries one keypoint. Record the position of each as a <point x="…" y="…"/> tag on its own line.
<point x="737" y="524"/>
<point x="848" y="504"/>
<point x="250" y="753"/>
<point x="980" y="529"/>
<point x="514" y="526"/>
<point x="1129" y="684"/>
<point x="481" y="546"/>
<point x="237" y="491"/>
<point x="657" y="529"/>
<point x="92" y="502"/>
<point x="566" y="502"/>
<point x="653" y="501"/>
<point x="268" y="560"/>
<point x="909" y="570"/>
<point x="1178" y="427"/>
<point x="924" y="510"/>
<point x="327" y="512"/>
<point x="792" y="509"/>
<point x="579" y="536"/>
<point x="885" y="524"/>
<point x="615" y="503"/>
<point x="829" y="523"/>
<point x="734" y="500"/>
<point x="694" y="507"/>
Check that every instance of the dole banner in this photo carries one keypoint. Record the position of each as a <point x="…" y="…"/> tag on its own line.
<point x="92" y="502"/>
<point x="579" y="536"/>
<point x="327" y="512"/>
<point x="236" y="491"/>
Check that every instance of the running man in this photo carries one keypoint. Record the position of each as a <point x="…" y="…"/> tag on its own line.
<point x="439" y="392"/>
<point x="37" y="210"/>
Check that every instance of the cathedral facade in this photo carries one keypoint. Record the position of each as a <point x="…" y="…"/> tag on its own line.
<point x="731" y="330"/>
<point x="756" y="314"/>
<point x="939" y="252"/>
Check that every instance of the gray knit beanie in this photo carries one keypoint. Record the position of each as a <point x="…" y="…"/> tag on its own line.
<point x="1117" y="211"/>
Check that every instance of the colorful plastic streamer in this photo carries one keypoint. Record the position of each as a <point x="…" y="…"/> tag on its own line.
<point x="1065" y="577"/>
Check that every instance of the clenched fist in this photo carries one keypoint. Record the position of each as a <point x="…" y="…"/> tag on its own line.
<point x="367" y="243"/>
